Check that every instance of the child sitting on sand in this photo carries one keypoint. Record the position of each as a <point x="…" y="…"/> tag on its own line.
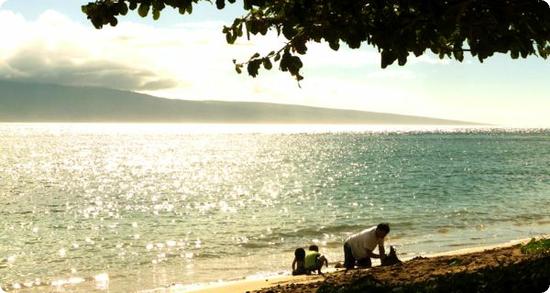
<point x="298" y="264"/>
<point x="314" y="261"/>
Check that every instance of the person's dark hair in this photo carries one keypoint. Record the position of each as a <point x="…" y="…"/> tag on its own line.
<point x="300" y="254"/>
<point x="314" y="248"/>
<point x="384" y="227"/>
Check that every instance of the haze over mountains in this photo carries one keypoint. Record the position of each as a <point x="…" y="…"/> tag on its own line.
<point x="33" y="102"/>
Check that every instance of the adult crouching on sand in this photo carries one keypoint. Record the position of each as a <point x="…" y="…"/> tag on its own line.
<point x="358" y="248"/>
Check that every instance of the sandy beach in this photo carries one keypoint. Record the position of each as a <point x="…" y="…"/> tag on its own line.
<point x="250" y="285"/>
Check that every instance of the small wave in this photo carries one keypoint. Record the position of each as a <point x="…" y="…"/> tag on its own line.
<point x="19" y="212"/>
<point x="315" y="232"/>
<point x="443" y="230"/>
<point x="328" y="236"/>
<point x="458" y="244"/>
<point x="254" y="245"/>
<point x="100" y="281"/>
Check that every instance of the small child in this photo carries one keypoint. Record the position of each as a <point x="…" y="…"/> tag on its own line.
<point x="298" y="263"/>
<point x="314" y="261"/>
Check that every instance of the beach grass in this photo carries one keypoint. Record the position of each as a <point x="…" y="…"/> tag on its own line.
<point x="536" y="246"/>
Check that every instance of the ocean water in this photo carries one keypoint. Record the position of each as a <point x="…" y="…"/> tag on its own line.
<point x="122" y="207"/>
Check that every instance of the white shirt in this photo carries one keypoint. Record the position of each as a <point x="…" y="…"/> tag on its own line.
<point x="362" y="241"/>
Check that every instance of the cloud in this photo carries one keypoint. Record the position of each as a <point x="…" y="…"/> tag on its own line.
<point x="53" y="49"/>
<point x="38" y="64"/>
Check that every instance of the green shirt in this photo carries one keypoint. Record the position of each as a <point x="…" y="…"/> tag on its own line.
<point x="310" y="262"/>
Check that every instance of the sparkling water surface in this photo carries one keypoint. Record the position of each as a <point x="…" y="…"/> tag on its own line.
<point x="129" y="207"/>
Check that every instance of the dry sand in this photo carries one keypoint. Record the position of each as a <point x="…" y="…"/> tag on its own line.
<point x="251" y="285"/>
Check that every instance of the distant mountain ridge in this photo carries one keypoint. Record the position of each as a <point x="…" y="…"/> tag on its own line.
<point x="33" y="102"/>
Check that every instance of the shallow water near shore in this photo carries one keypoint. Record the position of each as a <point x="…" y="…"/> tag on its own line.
<point x="128" y="207"/>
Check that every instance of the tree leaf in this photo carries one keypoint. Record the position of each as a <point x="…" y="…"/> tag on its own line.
<point x="267" y="63"/>
<point x="143" y="9"/>
<point x="395" y="28"/>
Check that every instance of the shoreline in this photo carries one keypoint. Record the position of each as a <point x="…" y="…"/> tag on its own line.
<point x="250" y="284"/>
<point x="281" y="279"/>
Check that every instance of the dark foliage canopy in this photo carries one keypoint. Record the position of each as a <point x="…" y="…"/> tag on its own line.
<point x="397" y="28"/>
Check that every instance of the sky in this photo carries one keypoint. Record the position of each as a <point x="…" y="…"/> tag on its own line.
<point x="187" y="57"/>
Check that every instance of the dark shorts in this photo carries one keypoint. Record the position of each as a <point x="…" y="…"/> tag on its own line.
<point x="299" y="271"/>
<point x="350" y="262"/>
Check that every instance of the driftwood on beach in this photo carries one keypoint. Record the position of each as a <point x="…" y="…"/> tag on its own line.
<point x="510" y="269"/>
